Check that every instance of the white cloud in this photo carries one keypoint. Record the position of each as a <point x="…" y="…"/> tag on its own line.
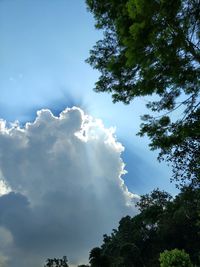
<point x="64" y="174"/>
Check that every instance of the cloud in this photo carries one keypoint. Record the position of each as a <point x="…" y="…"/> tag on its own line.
<point x="61" y="187"/>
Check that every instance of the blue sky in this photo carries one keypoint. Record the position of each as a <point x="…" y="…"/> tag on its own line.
<point x="43" y="49"/>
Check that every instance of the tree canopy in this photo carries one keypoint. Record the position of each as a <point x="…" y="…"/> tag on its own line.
<point x="57" y="262"/>
<point x="151" y="47"/>
<point x="160" y="232"/>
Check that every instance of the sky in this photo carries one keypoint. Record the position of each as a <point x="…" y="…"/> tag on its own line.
<point x="67" y="175"/>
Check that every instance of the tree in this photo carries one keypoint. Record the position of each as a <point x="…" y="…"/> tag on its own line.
<point x="131" y="256"/>
<point x="56" y="262"/>
<point x="151" y="47"/>
<point x="175" y="258"/>
<point x="97" y="258"/>
<point x="155" y="198"/>
<point x="179" y="225"/>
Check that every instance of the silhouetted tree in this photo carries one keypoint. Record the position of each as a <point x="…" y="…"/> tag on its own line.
<point x="56" y="262"/>
<point x="97" y="258"/>
<point x="152" y="47"/>
<point x="163" y="223"/>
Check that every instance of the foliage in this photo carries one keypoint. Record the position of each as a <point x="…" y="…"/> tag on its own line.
<point x="56" y="262"/>
<point x="97" y="258"/>
<point x="157" y="198"/>
<point x="174" y="258"/>
<point x="151" y="47"/>
<point x="163" y="224"/>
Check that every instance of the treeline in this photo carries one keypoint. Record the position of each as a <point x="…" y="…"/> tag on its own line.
<point x="163" y="224"/>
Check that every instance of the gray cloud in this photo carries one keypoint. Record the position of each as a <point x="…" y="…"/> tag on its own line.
<point x="66" y="191"/>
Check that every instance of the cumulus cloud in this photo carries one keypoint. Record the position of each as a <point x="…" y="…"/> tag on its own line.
<point x="61" y="187"/>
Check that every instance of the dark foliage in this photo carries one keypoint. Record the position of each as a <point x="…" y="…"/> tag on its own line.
<point x="162" y="224"/>
<point x="56" y="262"/>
